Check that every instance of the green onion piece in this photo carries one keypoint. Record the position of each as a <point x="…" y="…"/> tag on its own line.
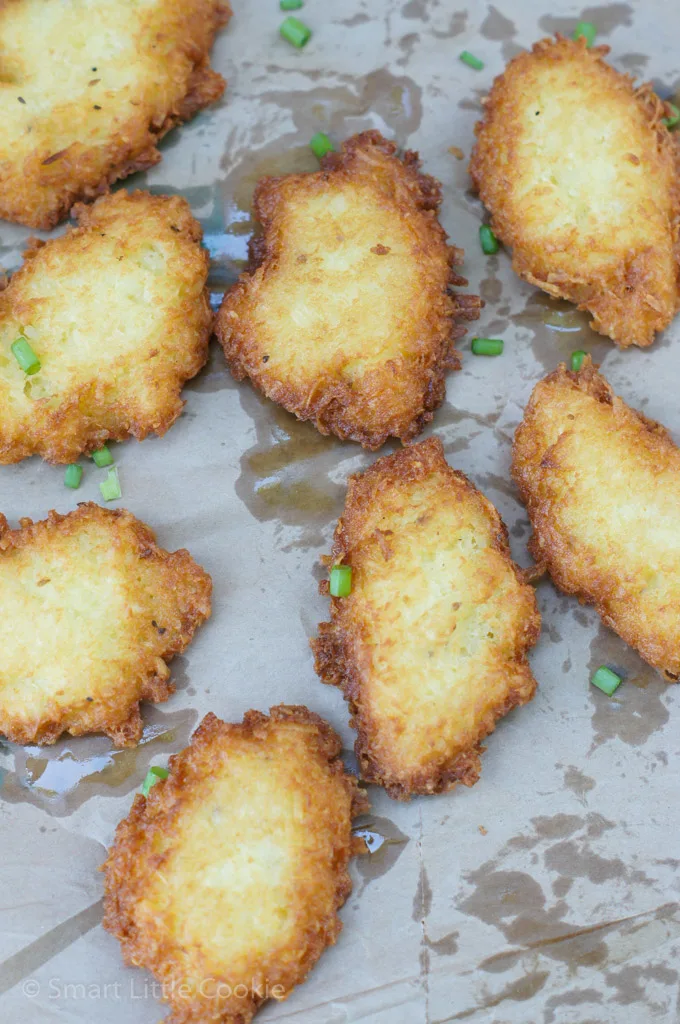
<point x="487" y="346"/>
<point x="25" y="356"/>
<point x="110" y="487"/>
<point x="577" y="360"/>
<point x="320" y="144"/>
<point x="471" y="61"/>
<point x="153" y="776"/>
<point x="671" y="121"/>
<point x="341" y="581"/>
<point x="488" y="240"/>
<point x="587" y="30"/>
<point x="102" y="458"/>
<point x="73" y="476"/>
<point x="291" y="5"/>
<point x="295" y="32"/>
<point x="606" y="680"/>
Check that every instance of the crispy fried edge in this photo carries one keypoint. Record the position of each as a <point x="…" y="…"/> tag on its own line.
<point x="122" y="724"/>
<point x="546" y="544"/>
<point x="332" y="648"/>
<point x="68" y="169"/>
<point x="327" y="411"/>
<point x="128" y="849"/>
<point x="88" y="437"/>
<point x="483" y="168"/>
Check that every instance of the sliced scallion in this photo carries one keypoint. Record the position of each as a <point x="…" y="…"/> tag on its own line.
<point x="471" y="61"/>
<point x="606" y="680"/>
<point x="153" y="776"/>
<point x="488" y="240"/>
<point x="295" y="32"/>
<point x="25" y="356"/>
<point x="102" y="457"/>
<point x="110" y="487"/>
<point x="320" y="144"/>
<point x="587" y="30"/>
<point x="341" y="581"/>
<point x="487" y="346"/>
<point x="671" y="121"/>
<point x="73" y="476"/>
<point x="291" y="5"/>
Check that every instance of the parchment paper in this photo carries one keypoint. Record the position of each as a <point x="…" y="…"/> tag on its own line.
<point x="549" y="891"/>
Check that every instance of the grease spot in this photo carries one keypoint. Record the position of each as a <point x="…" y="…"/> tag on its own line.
<point x="605" y="18"/>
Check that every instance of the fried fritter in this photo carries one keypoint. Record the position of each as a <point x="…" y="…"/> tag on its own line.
<point x="118" y="313"/>
<point x="583" y="182"/>
<point x="226" y="880"/>
<point x="344" y="316"/>
<point x="601" y="483"/>
<point x="88" y="87"/>
<point x="91" y="611"/>
<point x="430" y="648"/>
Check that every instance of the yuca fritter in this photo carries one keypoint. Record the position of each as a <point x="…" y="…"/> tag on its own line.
<point x="430" y="648"/>
<point x="602" y="487"/>
<point x="118" y="314"/>
<point x="345" y="315"/>
<point x="88" y="87"/>
<point x="226" y="880"/>
<point x="582" y="181"/>
<point x="91" y="611"/>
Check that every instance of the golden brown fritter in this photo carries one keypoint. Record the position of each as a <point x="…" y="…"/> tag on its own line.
<point x="88" y="87"/>
<point x="345" y="316"/>
<point x="582" y="180"/>
<point x="226" y="880"/>
<point x="602" y="487"/>
<point x="430" y="648"/>
<point x="118" y="314"/>
<point x="91" y="611"/>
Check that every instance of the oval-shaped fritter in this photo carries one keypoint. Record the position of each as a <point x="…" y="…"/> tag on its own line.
<point x="118" y="314"/>
<point x="582" y="180"/>
<point x="91" y="611"/>
<point x="430" y="648"/>
<point x="226" y="880"/>
<point x="88" y="88"/>
<point x="602" y="487"/>
<point x="345" y="315"/>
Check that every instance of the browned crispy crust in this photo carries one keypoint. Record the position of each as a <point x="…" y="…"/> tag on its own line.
<point x="398" y="397"/>
<point x="180" y="603"/>
<point x="632" y="462"/>
<point x="43" y="189"/>
<point x="340" y="657"/>
<point x="133" y="860"/>
<point x="135" y="394"/>
<point x="634" y="295"/>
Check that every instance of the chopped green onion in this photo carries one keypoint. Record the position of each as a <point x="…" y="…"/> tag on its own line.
<point x="291" y="5"/>
<point x="295" y="32"/>
<point x="577" y="360"/>
<point x="487" y="346"/>
<point x="110" y="487"/>
<point x="587" y="30"/>
<point x="671" y="121"/>
<point x="488" y="240"/>
<point x="606" y="680"/>
<point x="73" y="476"/>
<point x="153" y="776"/>
<point x="102" y="457"/>
<point x="471" y="61"/>
<point x="341" y="581"/>
<point x="25" y="356"/>
<point x="320" y="144"/>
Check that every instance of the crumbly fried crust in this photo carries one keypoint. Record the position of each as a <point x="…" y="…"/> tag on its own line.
<point x="226" y="880"/>
<point x="601" y="483"/>
<point x="430" y="648"/>
<point x="583" y="182"/>
<point x="118" y="313"/>
<point x="92" y="611"/>
<point x="345" y="315"/>
<point x="87" y="89"/>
